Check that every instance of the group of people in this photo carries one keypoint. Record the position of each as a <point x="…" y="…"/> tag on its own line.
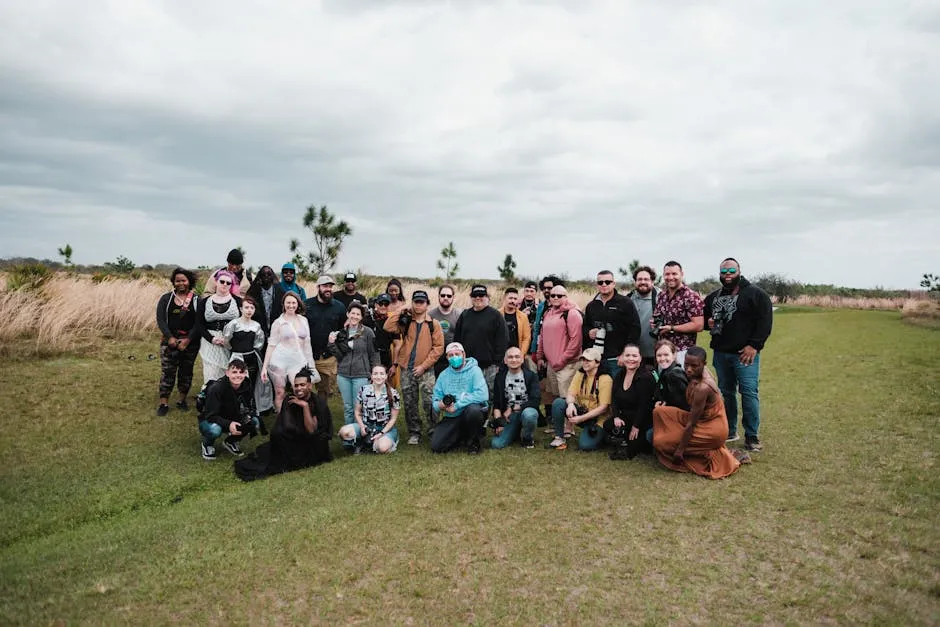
<point x="625" y="373"/>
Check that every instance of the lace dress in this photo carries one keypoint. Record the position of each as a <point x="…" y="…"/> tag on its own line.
<point x="212" y="322"/>
<point x="292" y="351"/>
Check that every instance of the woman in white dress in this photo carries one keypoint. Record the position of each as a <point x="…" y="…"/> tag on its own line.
<point x="288" y="348"/>
<point x="213" y="313"/>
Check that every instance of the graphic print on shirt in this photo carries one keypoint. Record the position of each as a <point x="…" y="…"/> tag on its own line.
<point x="516" y="393"/>
<point x="724" y="306"/>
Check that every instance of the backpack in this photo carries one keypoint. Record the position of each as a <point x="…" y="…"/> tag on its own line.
<point x="201" y="397"/>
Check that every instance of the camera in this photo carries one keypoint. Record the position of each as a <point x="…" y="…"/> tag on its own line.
<point x="498" y="423"/>
<point x="658" y="322"/>
<point x="448" y="400"/>
<point x="717" y="327"/>
<point x="404" y="319"/>
<point x="341" y="345"/>
<point x="246" y="422"/>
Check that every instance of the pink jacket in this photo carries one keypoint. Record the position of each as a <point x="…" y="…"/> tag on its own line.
<point x="560" y="340"/>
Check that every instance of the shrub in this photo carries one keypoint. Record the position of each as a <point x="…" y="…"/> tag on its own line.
<point x="28" y="276"/>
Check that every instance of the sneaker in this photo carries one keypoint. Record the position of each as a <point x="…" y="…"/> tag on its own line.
<point x="732" y="437"/>
<point x="549" y="431"/>
<point x="752" y="443"/>
<point x="208" y="451"/>
<point x="163" y="409"/>
<point x="528" y="443"/>
<point x="559" y="444"/>
<point x="474" y="449"/>
<point x="415" y="439"/>
<point x="742" y="456"/>
<point x="232" y="447"/>
<point x="182" y="405"/>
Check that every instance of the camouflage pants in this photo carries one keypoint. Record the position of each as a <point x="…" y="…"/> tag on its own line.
<point x="176" y="367"/>
<point x="410" y="386"/>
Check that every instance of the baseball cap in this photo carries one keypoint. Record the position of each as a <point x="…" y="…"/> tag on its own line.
<point x="325" y="279"/>
<point x="384" y="299"/>
<point x="594" y="354"/>
<point x="349" y="277"/>
<point x="478" y="290"/>
<point x="419" y="295"/>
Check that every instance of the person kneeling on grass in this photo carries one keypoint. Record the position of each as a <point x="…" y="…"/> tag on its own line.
<point x="516" y="396"/>
<point x="225" y="410"/>
<point x="694" y="441"/>
<point x="586" y="404"/>
<point x="300" y="437"/>
<point x="377" y="407"/>
<point x="461" y="396"/>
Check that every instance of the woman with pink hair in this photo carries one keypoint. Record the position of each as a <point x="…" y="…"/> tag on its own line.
<point x="213" y="313"/>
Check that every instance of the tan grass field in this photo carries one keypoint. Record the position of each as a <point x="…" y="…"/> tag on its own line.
<point x="69" y="310"/>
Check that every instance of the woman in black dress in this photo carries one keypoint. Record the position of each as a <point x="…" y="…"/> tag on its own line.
<point x="632" y="405"/>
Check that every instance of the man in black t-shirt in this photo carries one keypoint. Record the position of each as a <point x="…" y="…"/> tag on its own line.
<point x="348" y="294"/>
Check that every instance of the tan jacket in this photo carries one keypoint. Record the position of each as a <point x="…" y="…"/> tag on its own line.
<point x="525" y="330"/>
<point x="430" y="344"/>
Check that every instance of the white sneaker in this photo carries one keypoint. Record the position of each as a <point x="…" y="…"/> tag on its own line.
<point x="415" y="439"/>
<point x="208" y="452"/>
<point x="557" y="442"/>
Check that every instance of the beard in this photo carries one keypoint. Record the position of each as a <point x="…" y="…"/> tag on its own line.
<point x="730" y="286"/>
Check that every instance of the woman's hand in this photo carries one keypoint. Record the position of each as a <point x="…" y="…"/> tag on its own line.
<point x="619" y="423"/>
<point x="172" y="343"/>
<point x="331" y="338"/>
<point x="660" y="404"/>
<point x="634" y="432"/>
<point x="264" y="375"/>
<point x="218" y="340"/>
<point x="571" y="411"/>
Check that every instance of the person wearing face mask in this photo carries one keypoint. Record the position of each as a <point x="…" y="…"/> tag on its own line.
<point x="740" y="319"/>
<point x="268" y="295"/>
<point x="354" y="348"/>
<point x="460" y="395"/>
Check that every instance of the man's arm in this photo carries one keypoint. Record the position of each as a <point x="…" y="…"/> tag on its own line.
<point x="699" y="398"/>
<point x="764" y="320"/>
<point x="215" y="409"/>
<point x="587" y="325"/>
<point x="478" y="392"/>
<point x="525" y="333"/>
<point x="437" y="346"/>
<point x="631" y="321"/>
<point x="500" y="336"/>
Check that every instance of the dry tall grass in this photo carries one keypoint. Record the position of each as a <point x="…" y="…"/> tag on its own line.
<point x="922" y="312"/>
<point x="845" y="302"/>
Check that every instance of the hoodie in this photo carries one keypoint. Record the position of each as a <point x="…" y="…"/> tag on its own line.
<point x="467" y="384"/>
<point x="560" y="339"/>
<point x="742" y="319"/>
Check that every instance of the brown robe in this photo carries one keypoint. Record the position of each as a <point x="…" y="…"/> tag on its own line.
<point x="706" y="453"/>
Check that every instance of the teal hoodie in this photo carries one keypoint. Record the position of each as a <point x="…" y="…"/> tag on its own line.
<point x="466" y="384"/>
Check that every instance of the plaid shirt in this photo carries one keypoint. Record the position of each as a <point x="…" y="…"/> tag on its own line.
<point x="679" y="309"/>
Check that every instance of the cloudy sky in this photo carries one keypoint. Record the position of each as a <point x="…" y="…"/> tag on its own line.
<point x="801" y="137"/>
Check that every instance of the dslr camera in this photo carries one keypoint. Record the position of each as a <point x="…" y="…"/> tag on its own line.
<point x="717" y="326"/>
<point x="658" y="322"/>
<point x="341" y="346"/>
<point x="404" y="319"/>
<point x="246" y="422"/>
<point x="448" y="400"/>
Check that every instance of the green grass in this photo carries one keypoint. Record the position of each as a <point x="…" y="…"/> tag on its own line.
<point x="108" y="514"/>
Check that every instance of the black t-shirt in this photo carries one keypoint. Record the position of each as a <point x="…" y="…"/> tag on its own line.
<point x="513" y="327"/>
<point x="180" y="320"/>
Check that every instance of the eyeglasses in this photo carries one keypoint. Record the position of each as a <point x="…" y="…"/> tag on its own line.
<point x="728" y="271"/>
<point x="557" y="295"/>
<point x="223" y="282"/>
<point x="599" y="282"/>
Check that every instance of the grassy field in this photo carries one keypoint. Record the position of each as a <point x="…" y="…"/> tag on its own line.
<point x="109" y="514"/>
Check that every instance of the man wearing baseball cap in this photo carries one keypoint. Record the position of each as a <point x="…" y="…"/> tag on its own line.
<point x="324" y="314"/>
<point x="349" y="293"/>
<point x="482" y="331"/>
<point x="422" y="344"/>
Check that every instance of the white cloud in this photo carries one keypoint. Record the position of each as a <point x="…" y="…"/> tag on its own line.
<point x="573" y="138"/>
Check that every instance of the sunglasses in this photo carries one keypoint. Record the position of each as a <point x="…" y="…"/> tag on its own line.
<point x="604" y="282"/>
<point x="556" y="295"/>
<point x="224" y="282"/>
<point x="447" y="295"/>
<point x="728" y="271"/>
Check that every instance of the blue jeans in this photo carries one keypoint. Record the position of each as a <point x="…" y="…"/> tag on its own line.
<point x="349" y="389"/>
<point x="211" y="431"/>
<point x="586" y="441"/>
<point x="734" y="376"/>
<point x="524" y="421"/>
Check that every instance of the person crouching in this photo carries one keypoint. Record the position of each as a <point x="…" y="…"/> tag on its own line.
<point x="461" y="396"/>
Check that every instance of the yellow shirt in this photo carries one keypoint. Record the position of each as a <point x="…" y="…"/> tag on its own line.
<point x="583" y="396"/>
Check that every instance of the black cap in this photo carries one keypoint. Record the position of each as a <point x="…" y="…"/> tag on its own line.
<point x="235" y="257"/>
<point x="349" y="277"/>
<point x="419" y="295"/>
<point x="384" y="298"/>
<point x="478" y="290"/>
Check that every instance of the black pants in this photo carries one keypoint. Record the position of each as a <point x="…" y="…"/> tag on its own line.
<point x="464" y="428"/>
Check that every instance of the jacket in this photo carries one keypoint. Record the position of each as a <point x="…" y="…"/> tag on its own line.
<point x="533" y="391"/>
<point x="358" y="361"/>
<point x="466" y="384"/>
<point x="255" y="292"/>
<point x="294" y="287"/>
<point x="619" y="316"/>
<point x="224" y="405"/>
<point x="560" y="337"/>
<point x="323" y="318"/>
<point x="430" y="341"/>
<point x="537" y="326"/>
<point x="163" y="317"/>
<point x="742" y="319"/>
<point x="524" y="330"/>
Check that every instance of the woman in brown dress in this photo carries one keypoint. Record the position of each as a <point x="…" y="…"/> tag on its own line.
<point x="694" y="441"/>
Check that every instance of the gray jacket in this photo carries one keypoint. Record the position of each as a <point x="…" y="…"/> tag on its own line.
<point x="358" y="361"/>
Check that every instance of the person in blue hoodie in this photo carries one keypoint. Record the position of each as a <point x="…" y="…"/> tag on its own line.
<point x="461" y="395"/>
<point x="289" y="281"/>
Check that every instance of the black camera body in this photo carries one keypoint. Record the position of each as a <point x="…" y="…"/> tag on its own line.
<point x="404" y="319"/>
<point x="717" y="327"/>
<point x="498" y="423"/>
<point x="658" y="322"/>
<point x="448" y="400"/>
<point x="341" y="345"/>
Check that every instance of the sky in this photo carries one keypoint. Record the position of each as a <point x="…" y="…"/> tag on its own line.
<point x="800" y="137"/>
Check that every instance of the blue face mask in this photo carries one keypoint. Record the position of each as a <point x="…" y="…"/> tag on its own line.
<point x="456" y="361"/>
